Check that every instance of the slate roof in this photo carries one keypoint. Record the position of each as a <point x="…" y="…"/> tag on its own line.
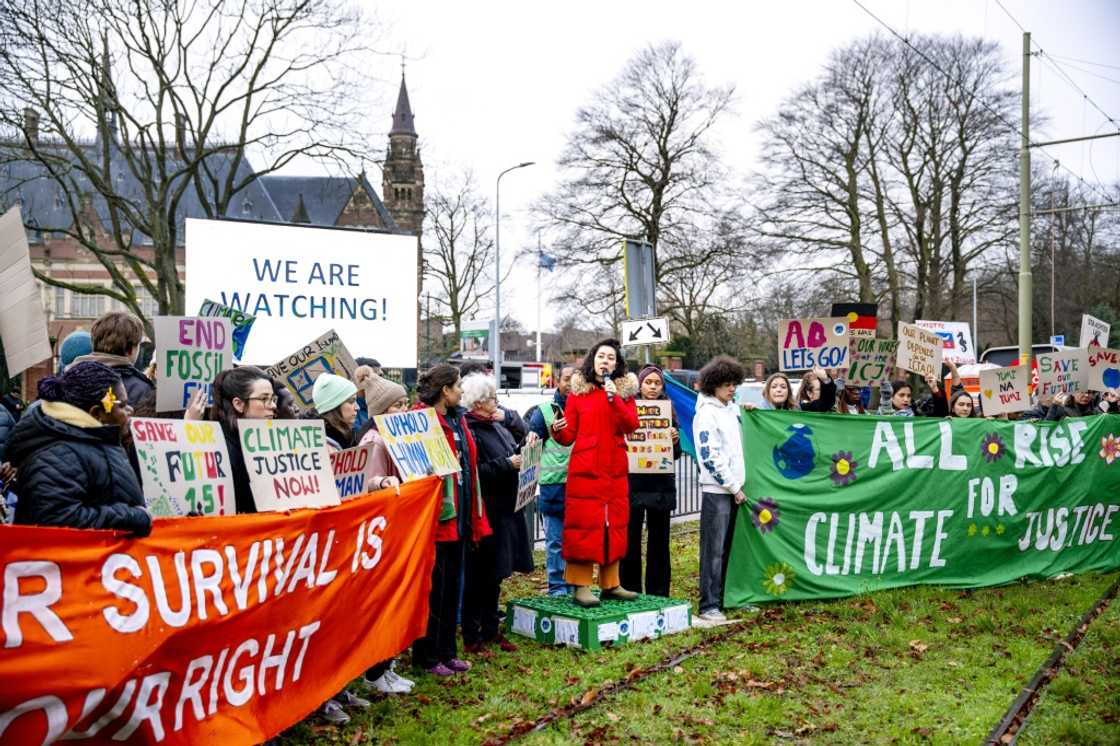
<point x="268" y="198"/>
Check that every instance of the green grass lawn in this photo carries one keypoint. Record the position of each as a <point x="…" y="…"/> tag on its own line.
<point x="916" y="665"/>
<point x="1082" y="704"/>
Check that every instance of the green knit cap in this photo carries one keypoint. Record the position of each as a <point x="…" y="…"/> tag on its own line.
<point x="331" y="391"/>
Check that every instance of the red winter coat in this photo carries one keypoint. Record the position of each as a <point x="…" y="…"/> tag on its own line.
<point x="596" y="498"/>
<point x="448" y="528"/>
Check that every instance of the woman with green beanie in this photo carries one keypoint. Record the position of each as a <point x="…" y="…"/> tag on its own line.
<point x="336" y="402"/>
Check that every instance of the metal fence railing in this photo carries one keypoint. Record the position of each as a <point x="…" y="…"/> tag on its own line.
<point x="688" y="497"/>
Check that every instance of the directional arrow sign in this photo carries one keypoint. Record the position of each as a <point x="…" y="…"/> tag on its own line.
<point x="645" y="332"/>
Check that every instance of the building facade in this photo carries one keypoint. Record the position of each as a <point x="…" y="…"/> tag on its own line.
<point x="343" y="201"/>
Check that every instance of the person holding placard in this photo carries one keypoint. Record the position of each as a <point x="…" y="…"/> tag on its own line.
<point x="244" y="392"/>
<point x="462" y="515"/>
<point x="508" y="549"/>
<point x="599" y="414"/>
<point x="545" y="421"/>
<point x="72" y="470"/>
<point x="817" y="392"/>
<point x="653" y="498"/>
<point x="383" y="396"/>
<point x="336" y="403"/>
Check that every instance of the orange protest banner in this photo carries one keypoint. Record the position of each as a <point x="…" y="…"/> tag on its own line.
<point x="218" y="630"/>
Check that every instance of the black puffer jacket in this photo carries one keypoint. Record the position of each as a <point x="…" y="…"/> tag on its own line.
<point x="74" y="474"/>
<point x="497" y="478"/>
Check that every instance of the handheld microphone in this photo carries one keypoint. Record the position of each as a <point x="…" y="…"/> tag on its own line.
<point x="610" y="396"/>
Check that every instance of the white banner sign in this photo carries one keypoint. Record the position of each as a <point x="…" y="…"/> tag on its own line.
<point x="957" y="338"/>
<point x="300" y="280"/>
<point x="1094" y="332"/>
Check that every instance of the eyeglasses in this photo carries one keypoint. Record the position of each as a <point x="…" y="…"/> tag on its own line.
<point x="268" y="401"/>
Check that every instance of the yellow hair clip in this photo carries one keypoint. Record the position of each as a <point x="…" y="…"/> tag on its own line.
<point x="109" y="400"/>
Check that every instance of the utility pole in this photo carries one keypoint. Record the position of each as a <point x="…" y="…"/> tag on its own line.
<point x="1025" y="279"/>
<point x="539" y="296"/>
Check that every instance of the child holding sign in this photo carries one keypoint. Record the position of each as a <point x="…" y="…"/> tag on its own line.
<point x="244" y="392"/>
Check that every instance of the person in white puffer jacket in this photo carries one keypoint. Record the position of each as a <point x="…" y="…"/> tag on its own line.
<point x="719" y="449"/>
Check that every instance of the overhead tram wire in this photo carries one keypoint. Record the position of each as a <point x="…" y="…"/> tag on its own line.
<point x="1058" y="68"/>
<point x="999" y="115"/>
<point x="1085" y="62"/>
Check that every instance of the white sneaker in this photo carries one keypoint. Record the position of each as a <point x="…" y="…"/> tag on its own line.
<point x="396" y="678"/>
<point x="332" y="713"/>
<point x="715" y="615"/>
<point x="386" y="685"/>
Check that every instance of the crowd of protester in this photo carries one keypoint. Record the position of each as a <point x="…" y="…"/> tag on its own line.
<point x="68" y="461"/>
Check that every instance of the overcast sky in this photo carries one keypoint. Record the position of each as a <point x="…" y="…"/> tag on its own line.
<point x="496" y="83"/>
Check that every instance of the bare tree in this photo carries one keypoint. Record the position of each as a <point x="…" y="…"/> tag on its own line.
<point x="639" y="164"/>
<point x="134" y="112"/>
<point x="459" y="253"/>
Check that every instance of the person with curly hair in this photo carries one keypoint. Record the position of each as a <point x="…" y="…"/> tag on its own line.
<point x="719" y="448"/>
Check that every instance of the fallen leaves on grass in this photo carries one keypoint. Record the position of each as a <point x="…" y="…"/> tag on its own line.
<point x="918" y="646"/>
<point x="588" y="697"/>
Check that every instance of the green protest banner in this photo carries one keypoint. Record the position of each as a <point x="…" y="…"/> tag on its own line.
<point x="843" y="505"/>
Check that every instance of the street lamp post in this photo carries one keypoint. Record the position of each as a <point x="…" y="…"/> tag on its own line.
<point x="497" y="342"/>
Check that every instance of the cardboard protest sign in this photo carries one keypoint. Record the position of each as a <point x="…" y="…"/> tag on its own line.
<point x="862" y="318"/>
<point x="1062" y="372"/>
<point x="299" y="370"/>
<point x="1005" y="390"/>
<point x="919" y="351"/>
<point x="23" y="322"/>
<point x="1104" y="369"/>
<point x="958" y="340"/>
<point x="184" y="465"/>
<point x="650" y="447"/>
<point x="886" y="502"/>
<point x="223" y="631"/>
<point x="873" y="362"/>
<point x="811" y="343"/>
<point x="353" y="472"/>
<point x="417" y="443"/>
<point x="1094" y="332"/>
<point x="192" y="352"/>
<point x="240" y="321"/>
<point x="530" y="474"/>
<point x="288" y="464"/>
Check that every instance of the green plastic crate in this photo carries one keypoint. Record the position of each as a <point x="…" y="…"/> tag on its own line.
<point x="559" y="621"/>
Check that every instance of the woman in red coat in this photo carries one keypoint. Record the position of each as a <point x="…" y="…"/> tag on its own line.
<point x="599" y="413"/>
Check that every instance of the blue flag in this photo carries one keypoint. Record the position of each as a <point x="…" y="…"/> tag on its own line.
<point x="684" y="407"/>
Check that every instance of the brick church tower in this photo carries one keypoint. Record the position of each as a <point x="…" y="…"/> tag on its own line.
<point x="402" y="183"/>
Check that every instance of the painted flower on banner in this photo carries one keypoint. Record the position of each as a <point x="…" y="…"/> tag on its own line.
<point x="778" y="579"/>
<point x="1110" y="448"/>
<point x="843" y="470"/>
<point x="993" y="448"/>
<point x="765" y="515"/>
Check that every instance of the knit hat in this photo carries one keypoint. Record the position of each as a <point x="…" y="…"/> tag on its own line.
<point x="74" y="346"/>
<point x="381" y="393"/>
<point x="647" y="370"/>
<point x="331" y="391"/>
